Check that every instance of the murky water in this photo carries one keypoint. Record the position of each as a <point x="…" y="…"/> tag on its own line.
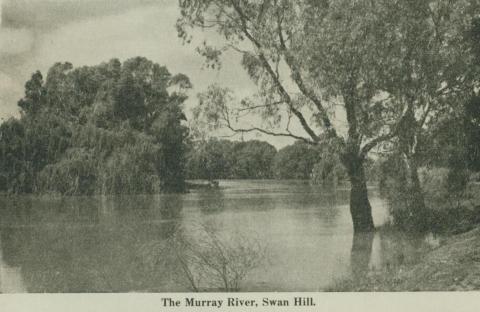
<point x="117" y="244"/>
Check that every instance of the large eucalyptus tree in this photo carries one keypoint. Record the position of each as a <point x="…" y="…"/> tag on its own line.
<point x="433" y="77"/>
<point x="321" y="69"/>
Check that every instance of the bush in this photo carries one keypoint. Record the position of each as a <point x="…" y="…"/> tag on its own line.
<point x="446" y="210"/>
<point x="208" y="261"/>
<point x="435" y="186"/>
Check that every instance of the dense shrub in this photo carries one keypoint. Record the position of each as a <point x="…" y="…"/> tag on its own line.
<point x="446" y="210"/>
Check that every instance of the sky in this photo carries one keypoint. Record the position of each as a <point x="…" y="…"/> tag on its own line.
<point x="34" y="34"/>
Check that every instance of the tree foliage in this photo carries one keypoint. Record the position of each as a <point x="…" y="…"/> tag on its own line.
<point x="295" y="161"/>
<point x="385" y="64"/>
<point x="106" y="129"/>
<point x="307" y="58"/>
<point x="223" y="159"/>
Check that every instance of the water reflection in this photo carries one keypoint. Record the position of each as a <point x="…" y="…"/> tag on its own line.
<point x="117" y="244"/>
<point x="86" y="244"/>
<point x="169" y="206"/>
<point x="402" y="249"/>
<point x="211" y="201"/>
<point x="10" y="277"/>
<point x="387" y="251"/>
<point x="361" y="253"/>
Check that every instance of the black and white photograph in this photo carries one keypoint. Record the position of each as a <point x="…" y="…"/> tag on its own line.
<point x="239" y="146"/>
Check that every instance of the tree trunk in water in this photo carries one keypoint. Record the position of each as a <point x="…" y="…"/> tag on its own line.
<point x="360" y="208"/>
<point x="353" y="160"/>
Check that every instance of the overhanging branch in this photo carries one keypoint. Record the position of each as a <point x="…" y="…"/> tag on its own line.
<point x="260" y="106"/>
<point x="297" y="78"/>
<point x="370" y="145"/>
<point x="285" y="95"/>
<point x="271" y="133"/>
<point x="382" y="138"/>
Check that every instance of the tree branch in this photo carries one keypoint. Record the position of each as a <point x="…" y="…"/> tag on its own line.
<point x="297" y="78"/>
<point x="226" y="118"/>
<point x="260" y="106"/>
<point x="277" y="134"/>
<point x="375" y="142"/>
<point x="271" y="72"/>
<point x="425" y="115"/>
<point x="367" y="147"/>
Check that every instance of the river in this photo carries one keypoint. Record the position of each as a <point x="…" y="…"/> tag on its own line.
<point x="302" y="234"/>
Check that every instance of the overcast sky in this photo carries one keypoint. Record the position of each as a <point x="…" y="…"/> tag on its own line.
<point x="34" y="34"/>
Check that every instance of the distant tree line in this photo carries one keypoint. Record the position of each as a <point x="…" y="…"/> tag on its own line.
<point x="106" y="129"/>
<point x="224" y="159"/>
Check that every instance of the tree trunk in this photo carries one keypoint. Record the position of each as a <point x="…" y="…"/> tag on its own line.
<point x="353" y="160"/>
<point x="416" y="199"/>
<point x="415" y="186"/>
<point x="360" y="208"/>
<point x="415" y="218"/>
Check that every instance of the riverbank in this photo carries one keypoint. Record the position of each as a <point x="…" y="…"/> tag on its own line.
<point x="453" y="266"/>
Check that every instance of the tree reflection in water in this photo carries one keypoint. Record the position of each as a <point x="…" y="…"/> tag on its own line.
<point x="117" y="243"/>
<point x="361" y="253"/>
<point x="91" y="244"/>
<point x="392" y="250"/>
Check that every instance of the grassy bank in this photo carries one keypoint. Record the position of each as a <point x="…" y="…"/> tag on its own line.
<point x="454" y="265"/>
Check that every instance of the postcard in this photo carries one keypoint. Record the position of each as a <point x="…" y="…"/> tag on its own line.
<point x="263" y="155"/>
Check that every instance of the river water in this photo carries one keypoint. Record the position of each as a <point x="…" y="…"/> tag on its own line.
<point x="302" y="234"/>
